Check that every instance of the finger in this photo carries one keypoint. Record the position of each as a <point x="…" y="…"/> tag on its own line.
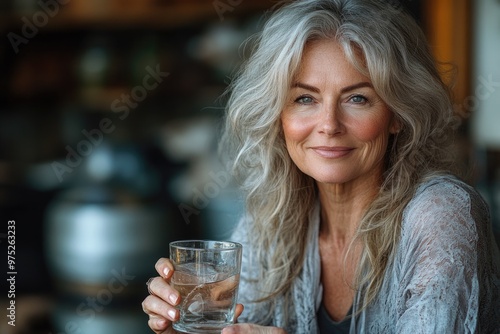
<point x="164" y="267"/>
<point x="238" y="311"/>
<point x="155" y="306"/>
<point x="160" y="288"/>
<point x="158" y="324"/>
<point x="252" y="329"/>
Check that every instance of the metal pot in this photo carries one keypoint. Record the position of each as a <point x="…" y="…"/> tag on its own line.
<point x="99" y="240"/>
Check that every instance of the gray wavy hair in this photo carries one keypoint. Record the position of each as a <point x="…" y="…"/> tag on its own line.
<point x="388" y="46"/>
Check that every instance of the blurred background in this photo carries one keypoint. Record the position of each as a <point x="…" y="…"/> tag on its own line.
<point x="109" y="118"/>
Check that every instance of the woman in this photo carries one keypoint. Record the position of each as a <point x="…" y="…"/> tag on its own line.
<point x="339" y="126"/>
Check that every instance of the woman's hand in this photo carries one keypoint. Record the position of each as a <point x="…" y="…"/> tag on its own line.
<point x="160" y="304"/>
<point x="252" y="329"/>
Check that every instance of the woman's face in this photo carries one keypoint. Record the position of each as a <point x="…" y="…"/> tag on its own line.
<point x="336" y="127"/>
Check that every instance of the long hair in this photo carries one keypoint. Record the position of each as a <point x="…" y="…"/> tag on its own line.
<point x="387" y="45"/>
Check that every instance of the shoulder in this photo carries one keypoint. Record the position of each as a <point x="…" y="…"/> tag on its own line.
<point x="240" y="233"/>
<point x="446" y="194"/>
<point x="444" y="204"/>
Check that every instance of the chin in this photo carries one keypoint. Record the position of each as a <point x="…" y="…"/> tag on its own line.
<point x="331" y="179"/>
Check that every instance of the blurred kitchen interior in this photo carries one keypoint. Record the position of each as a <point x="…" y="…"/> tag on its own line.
<point x="109" y="117"/>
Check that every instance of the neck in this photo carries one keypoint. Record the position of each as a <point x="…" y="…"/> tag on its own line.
<point x="342" y="207"/>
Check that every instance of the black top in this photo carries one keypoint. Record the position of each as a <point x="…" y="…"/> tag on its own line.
<point x="327" y="326"/>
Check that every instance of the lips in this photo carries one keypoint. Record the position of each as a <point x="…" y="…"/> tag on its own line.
<point x="332" y="152"/>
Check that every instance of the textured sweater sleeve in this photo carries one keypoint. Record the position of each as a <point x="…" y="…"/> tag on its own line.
<point x="446" y="286"/>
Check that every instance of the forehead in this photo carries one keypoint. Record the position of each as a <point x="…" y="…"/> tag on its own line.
<point x="325" y="59"/>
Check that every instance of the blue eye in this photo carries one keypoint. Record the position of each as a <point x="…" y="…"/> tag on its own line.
<point x="358" y="99"/>
<point x="304" y="99"/>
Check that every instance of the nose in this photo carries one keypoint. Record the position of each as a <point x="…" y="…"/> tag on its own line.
<point x="330" y="122"/>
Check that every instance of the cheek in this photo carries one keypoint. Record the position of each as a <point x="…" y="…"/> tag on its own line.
<point x="371" y="129"/>
<point x="294" y="129"/>
<point x="375" y="136"/>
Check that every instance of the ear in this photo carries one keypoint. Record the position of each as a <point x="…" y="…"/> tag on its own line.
<point x="395" y="125"/>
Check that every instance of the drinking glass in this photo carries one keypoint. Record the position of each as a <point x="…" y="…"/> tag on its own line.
<point x="207" y="275"/>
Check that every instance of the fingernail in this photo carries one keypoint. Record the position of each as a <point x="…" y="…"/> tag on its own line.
<point x="173" y="298"/>
<point x="171" y="314"/>
<point x="228" y="330"/>
<point x="161" y="323"/>
<point x="166" y="271"/>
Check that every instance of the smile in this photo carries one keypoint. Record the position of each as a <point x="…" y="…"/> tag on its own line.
<point x="332" y="152"/>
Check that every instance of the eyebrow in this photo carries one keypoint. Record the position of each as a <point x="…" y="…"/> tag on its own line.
<point x="343" y="90"/>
